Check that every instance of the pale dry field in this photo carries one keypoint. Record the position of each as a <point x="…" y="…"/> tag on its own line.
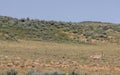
<point x="51" y="55"/>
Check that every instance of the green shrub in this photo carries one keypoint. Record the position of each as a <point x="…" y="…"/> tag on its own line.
<point x="11" y="72"/>
<point x="74" y="73"/>
<point x="33" y="72"/>
<point x="58" y="73"/>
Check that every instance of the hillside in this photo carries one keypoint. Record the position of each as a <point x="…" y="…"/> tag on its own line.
<point x="41" y="30"/>
<point x="88" y="47"/>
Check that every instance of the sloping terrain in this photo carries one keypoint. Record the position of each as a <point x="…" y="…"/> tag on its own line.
<point x="34" y="44"/>
<point x="77" y="32"/>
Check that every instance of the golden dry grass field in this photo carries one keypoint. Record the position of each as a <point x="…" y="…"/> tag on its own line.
<point x="24" y="55"/>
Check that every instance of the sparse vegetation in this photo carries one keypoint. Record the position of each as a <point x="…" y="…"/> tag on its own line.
<point x="26" y="55"/>
<point x="77" y="32"/>
<point x="88" y="48"/>
<point x="57" y="72"/>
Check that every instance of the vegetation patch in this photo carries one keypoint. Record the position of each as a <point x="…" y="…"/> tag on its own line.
<point x="75" y="32"/>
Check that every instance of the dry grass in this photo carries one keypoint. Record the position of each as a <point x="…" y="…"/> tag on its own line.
<point x="49" y="54"/>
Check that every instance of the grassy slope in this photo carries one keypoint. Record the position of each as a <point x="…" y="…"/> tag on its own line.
<point x="79" y="32"/>
<point x="72" y="47"/>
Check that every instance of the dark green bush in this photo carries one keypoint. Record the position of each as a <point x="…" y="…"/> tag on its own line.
<point x="74" y="73"/>
<point x="58" y="73"/>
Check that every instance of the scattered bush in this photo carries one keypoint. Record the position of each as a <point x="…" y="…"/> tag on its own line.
<point x="53" y="72"/>
<point x="34" y="29"/>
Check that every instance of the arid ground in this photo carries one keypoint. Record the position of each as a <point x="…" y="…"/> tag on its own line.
<point x="25" y="55"/>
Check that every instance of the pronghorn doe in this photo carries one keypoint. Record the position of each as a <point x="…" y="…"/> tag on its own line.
<point x="97" y="57"/>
